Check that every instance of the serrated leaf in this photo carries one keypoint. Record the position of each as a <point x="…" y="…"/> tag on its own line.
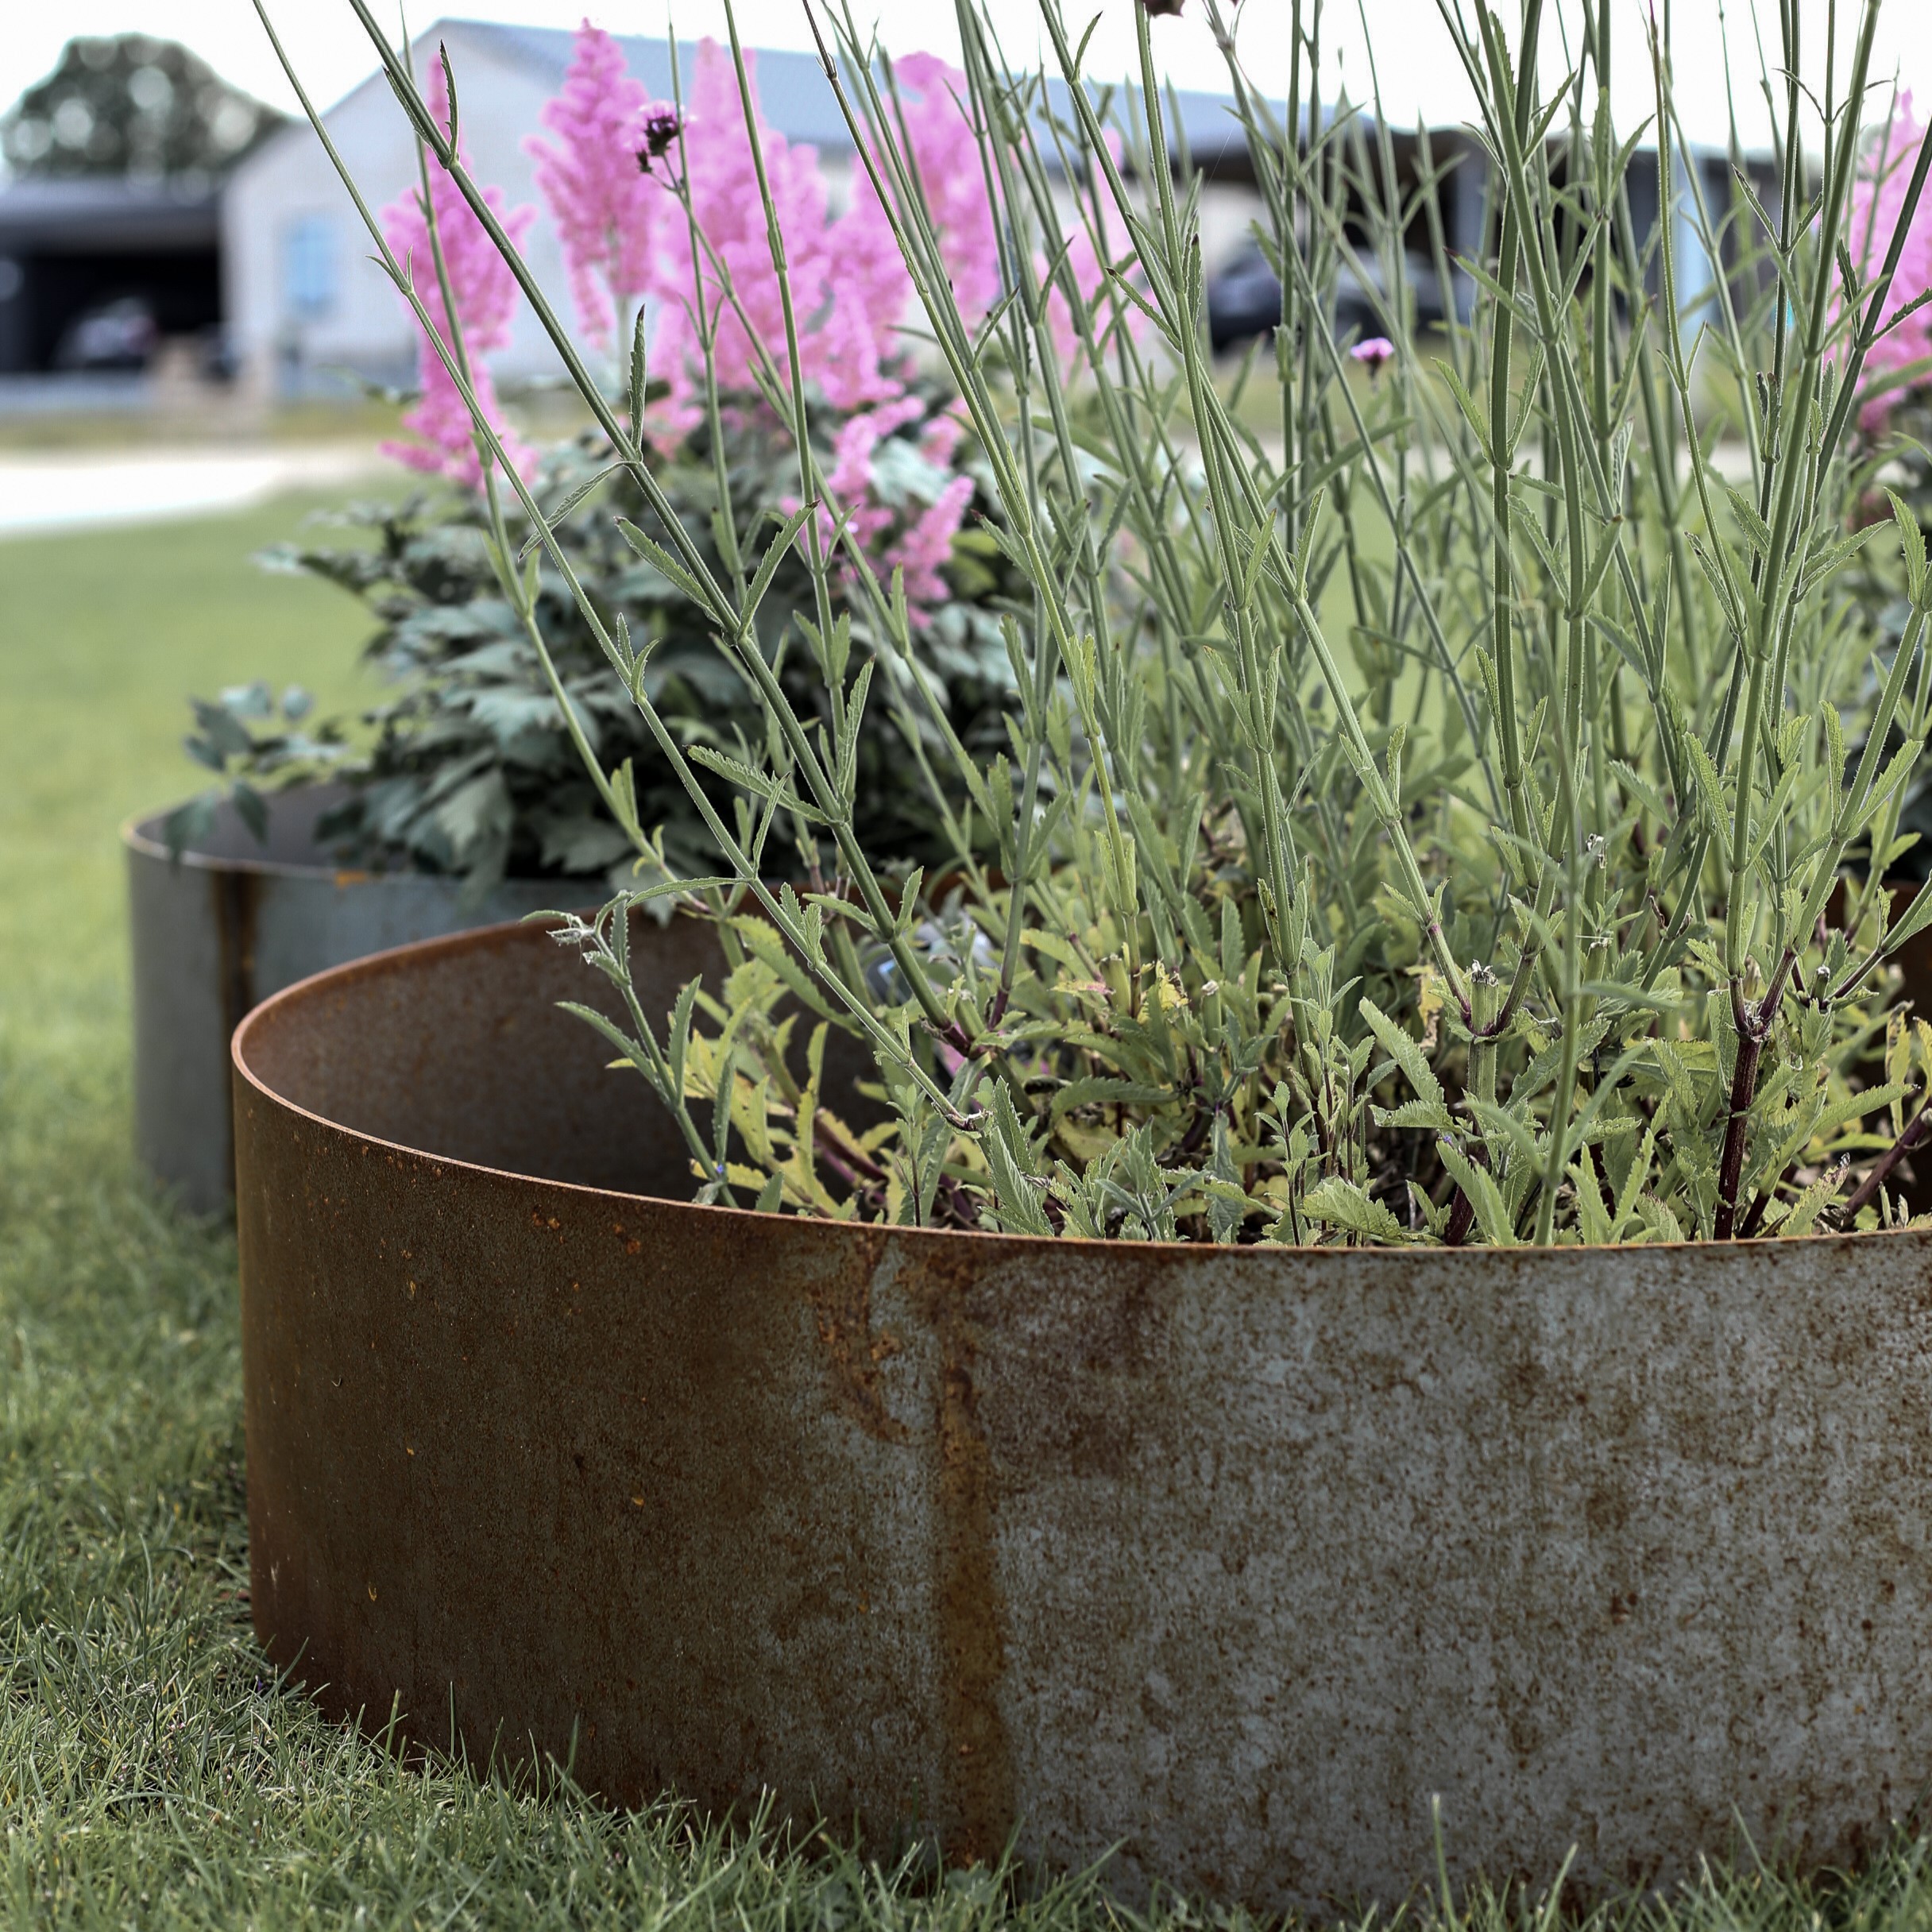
<point x="1478" y="1185"/>
<point x="1658" y="1218"/>
<point x="1808" y="1205"/>
<point x="1912" y="543"/>
<point x="1593" y="1214"/>
<point x="1337" y="1202"/>
<point x="1405" y="1052"/>
<point x="775" y="553"/>
<point x="1710" y="788"/>
<point x="1466" y="403"/>
<point x="1009" y="1160"/>
<point x="1753" y="525"/>
<point x="661" y="560"/>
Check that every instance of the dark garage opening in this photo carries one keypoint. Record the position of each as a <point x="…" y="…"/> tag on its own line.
<point x="71" y="250"/>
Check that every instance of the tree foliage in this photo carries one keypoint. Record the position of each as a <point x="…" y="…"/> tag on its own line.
<point x="132" y="107"/>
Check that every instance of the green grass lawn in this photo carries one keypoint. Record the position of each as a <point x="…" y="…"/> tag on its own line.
<point x="151" y="1773"/>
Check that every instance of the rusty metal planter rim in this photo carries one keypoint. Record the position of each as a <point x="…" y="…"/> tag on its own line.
<point x="133" y="836"/>
<point x="136" y="839"/>
<point x="375" y="964"/>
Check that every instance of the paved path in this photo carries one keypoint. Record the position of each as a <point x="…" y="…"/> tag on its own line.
<point x="52" y="492"/>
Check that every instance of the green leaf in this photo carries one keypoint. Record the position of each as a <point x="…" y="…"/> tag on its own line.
<point x="1834" y="557"/>
<point x="1103" y="1089"/>
<point x="1479" y="1186"/>
<point x="1912" y="543"/>
<point x="1663" y="1224"/>
<point x="665" y="888"/>
<point x="1834" y="743"/>
<point x="761" y="784"/>
<point x="1710" y="788"/>
<point x="1504" y="1125"/>
<point x="1405" y="1052"/>
<point x="1341" y="1203"/>
<point x="1806" y="1208"/>
<point x="1593" y="1215"/>
<point x="555" y="519"/>
<point x="1466" y="403"/>
<point x="1010" y="1159"/>
<point x="661" y="560"/>
<point x="1753" y="525"/>
<point x="775" y="554"/>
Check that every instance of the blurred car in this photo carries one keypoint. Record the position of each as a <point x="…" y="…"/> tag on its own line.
<point x="120" y="335"/>
<point x="1244" y="298"/>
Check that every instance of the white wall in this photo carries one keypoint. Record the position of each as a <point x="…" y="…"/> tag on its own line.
<point x="290" y="182"/>
<point x="287" y="197"/>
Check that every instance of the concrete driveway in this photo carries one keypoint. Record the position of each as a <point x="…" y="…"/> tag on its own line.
<point x="42" y="492"/>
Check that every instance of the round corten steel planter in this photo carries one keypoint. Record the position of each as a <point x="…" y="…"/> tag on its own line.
<point x="234" y="919"/>
<point x="1233" y="1558"/>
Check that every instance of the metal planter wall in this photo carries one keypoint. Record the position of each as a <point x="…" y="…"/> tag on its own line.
<point x="1234" y="1558"/>
<point x="234" y="921"/>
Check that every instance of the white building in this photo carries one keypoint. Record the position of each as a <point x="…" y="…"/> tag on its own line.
<point x="305" y="303"/>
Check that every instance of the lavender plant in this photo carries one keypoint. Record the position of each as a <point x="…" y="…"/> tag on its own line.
<point x="1892" y="447"/>
<point x="1425" y="821"/>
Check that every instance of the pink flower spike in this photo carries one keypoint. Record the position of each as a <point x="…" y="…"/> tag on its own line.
<point x="946" y="152"/>
<point x="485" y="292"/>
<point x="1373" y="354"/>
<point x="928" y="545"/>
<point x="832" y="283"/>
<point x="597" y="180"/>
<point x="1878" y="199"/>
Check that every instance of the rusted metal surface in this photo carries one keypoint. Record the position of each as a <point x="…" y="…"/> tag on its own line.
<point x="1234" y="1558"/>
<point x="233" y="921"/>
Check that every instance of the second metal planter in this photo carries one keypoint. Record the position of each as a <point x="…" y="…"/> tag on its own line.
<point x="234" y="919"/>
<point x="1234" y="1559"/>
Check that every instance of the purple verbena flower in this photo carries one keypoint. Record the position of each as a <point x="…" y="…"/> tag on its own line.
<point x="662" y="127"/>
<point x="1373" y="353"/>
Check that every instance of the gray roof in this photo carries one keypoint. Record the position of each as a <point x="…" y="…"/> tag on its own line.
<point x="83" y="213"/>
<point x="792" y="88"/>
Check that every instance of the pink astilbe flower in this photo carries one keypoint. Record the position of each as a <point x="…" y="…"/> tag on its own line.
<point x="950" y="178"/>
<point x="923" y="546"/>
<point x="941" y="436"/>
<point x="831" y="288"/>
<point x="608" y="210"/>
<point x="1089" y="273"/>
<point x="849" y="480"/>
<point x="929" y="544"/>
<point x="485" y="292"/>
<point x="1878" y="199"/>
<point x="625" y="233"/>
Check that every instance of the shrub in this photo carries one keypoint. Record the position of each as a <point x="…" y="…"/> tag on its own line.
<point x="470" y="767"/>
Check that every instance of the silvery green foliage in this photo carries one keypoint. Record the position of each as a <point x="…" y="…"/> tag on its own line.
<point x="1898" y="447"/>
<point x="1444" y="837"/>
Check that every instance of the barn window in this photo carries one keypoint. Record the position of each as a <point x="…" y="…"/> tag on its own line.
<point x="308" y="266"/>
